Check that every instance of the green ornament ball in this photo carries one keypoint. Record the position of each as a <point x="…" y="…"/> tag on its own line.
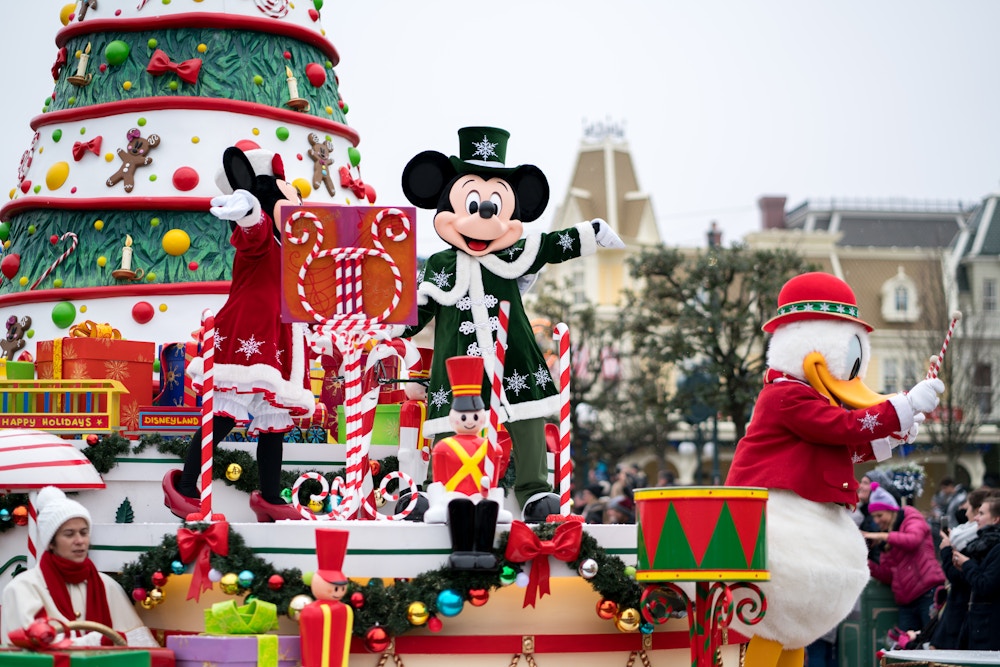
<point x="282" y="133"/>
<point x="630" y="572"/>
<point x="508" y="575"/>
<point x="63" y="314"/>
<point x="354" y="155"/>
<point x="156" y="366"/>
<point x="4" y="231"/>
<point x="32" y="229"/>
<point x="152" y="43"/>
<point x="141" y="122"/>
<point x="258" y="79"/>
<point x="116" y="52"/>
<point x="307" y="578"/>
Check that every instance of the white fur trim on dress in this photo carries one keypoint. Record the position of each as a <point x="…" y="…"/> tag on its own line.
<point x="819" y="566"/>
<point x="261" y="379"/>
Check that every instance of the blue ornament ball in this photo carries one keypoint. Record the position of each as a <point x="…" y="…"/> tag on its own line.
<point x="646" y="628"/>
<point x="245" y="578"/>
<point x="177" y="567"/>
<point x="449" y="603"/>
<point x="4" y="515"/>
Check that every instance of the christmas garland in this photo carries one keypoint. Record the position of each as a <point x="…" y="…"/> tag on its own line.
<point x="396" y="608"/>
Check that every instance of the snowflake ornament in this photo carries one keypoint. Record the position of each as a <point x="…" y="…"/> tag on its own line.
<point x="516" y="382"/>
<point x="249" y="346"/>
<point x="439" y="398"/>
<point x="869" y="422"/>
<point x="485" y="148"/>
<point x="441" y="278"/>
<point x="542" y="376"/>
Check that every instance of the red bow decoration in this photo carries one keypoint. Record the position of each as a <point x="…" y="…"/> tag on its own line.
<point x="61" y="57"/>
<point x="160" y="63"/>
<point x="356" y="185"/>
<point x="523" y="545"/>
<point x="80" y="148"/>
<point x="40" y="635"/>
<point x="214" y="539"/>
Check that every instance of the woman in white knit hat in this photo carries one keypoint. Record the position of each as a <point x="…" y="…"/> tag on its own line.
<point x="65" y="584"/>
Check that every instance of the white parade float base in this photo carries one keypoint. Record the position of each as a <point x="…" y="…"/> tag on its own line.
<point x="487" y="635"/>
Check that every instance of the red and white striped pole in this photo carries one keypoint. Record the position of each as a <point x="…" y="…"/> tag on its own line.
<point x="496" y="394"/>
<point x="936" y="362"/>
<point x="207" y="411"/>
<point x="561" y="335"/>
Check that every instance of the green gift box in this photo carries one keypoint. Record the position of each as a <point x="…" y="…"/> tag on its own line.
<point x="385" y="431"/>
<point x="82" y="657"/>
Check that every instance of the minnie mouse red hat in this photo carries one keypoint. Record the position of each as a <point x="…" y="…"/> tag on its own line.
<point x="815" y="296"/>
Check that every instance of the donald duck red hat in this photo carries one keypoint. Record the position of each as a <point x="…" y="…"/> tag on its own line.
<point x="815" y="296"/>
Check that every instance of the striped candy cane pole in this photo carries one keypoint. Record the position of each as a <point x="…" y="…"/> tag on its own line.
<point x="496" y="395"/>
<point x="935" y="366"/>
<point x="32" y="529"/>
<point x="561" y="335"/>
<point x="60" y="259"/>
<point x="352" y="414"/>
<point x="207" y="410"/>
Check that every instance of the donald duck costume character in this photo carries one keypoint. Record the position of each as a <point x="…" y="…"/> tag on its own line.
<point x="813" y="420"/>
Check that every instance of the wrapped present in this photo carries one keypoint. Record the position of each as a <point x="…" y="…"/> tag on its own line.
<point x="235" y="650"/>
<point x="76" y="657"/>
<point x="385" y="430"/>
<point x="79" y="357"/>
<point x="16" y="370"/>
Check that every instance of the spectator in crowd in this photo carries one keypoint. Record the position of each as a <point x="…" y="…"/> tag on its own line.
<point x="65" y="585"/>
<point x="665" y="478"/>
<point x="980" y="565"/>
<point x="949" y="632"/>
<point x="592" y="508"/>
<point x="620" y="509"/>
<point x="908" y="563"/>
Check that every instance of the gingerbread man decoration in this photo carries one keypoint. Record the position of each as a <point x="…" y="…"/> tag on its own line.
<point x="14" y="340"/>
<point x="133" y="156"/>
<point x="322" y="156"/>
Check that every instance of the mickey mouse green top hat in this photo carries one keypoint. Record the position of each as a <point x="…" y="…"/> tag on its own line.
<point x="482" y="150"/>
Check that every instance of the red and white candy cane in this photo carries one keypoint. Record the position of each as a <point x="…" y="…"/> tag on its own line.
<point x="207" y="410"/>
<point x="561" y="335"/>
<point x="61" y="258"/>
<point x="935" y="366"/>
<point x="338" y="489"/>
<point x="349" y="312"/>
<point x="496" y="397"/>
<point x="406" y="480"/>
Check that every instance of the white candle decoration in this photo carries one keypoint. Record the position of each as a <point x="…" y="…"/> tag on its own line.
<point x="81" y="69"/>
<point x="127" y="254"/>
<point x="293" y="84"/>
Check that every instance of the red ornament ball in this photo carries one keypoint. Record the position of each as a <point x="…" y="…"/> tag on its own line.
<point x="434" y="624"/>
<point x="376" y="466"/>
<point x="478" y="597"/>
<point x="340" y="103"/>
<point x="316" y="74"/>
<point x="275" y="582"/>
<point x="54" y="239"/>
<point x="193" y="266"/>
<point x="10" y="265"/>
<point x="104" y="66"/>
<point x="159" y="578"/>
<point x="377" y="639"/>
<point x="139" y="594"/>
<point x="142" y="312"/>
<point x="288" y="56"/>
<point x="357" y="599"/>
<point x="185" y="179"/>
<point x="25" y="186"/>
<point x="20" y="515"/>
<point x="92" y="440"/>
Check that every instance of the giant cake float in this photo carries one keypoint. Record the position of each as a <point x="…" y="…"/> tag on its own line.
<point x="108" y="229"/>
<point x="108" y="220"/>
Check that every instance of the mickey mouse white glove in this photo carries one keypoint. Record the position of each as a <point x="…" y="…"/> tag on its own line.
<point x="924" y="396"/>
<point x="605" y="236"/>
<point x="240" y="207"/>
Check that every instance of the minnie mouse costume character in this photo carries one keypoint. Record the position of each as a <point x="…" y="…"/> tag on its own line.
<point x="261" y="363"/>
<point x="481" y="207"/>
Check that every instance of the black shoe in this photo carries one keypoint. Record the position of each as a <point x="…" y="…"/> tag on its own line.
<point x="417" y="514"/>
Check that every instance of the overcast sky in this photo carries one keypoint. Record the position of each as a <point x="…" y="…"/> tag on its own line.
<point x="722" y="101"/>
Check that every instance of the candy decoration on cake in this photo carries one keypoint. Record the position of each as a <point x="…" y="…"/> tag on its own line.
<point x="321" y="153"/>
<point x="62" y="258"/>
<point x="482" y="206"/>
<point x="814" y="420"/>
<point x="131" y="136"/>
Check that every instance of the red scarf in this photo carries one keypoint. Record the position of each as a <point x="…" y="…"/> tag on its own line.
<point x="59" y="571"/>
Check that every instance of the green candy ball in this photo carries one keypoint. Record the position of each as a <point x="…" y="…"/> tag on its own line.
<point x="354" y="155"/>
<point x="116" y="52"/>
<point x="63" y="314"/>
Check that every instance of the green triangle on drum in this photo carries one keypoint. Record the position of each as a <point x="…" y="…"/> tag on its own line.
<point x="760" y="551"/>
<point x="698" y="517"/>
<point x="725" y="551"/>
<point x="674" y="548"/>
<point x="747" y="514"/>
<point x="651" y="517"/>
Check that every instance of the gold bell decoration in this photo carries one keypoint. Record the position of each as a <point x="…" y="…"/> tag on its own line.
<point x="230" y="583"/>
<point x="628" y="620"/>
<point x="296" y="605"/>
<point x="233" y="472"/>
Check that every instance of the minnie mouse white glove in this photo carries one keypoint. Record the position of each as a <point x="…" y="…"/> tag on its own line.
<point x="605" y="236"/>
<point x="240" y="207"/>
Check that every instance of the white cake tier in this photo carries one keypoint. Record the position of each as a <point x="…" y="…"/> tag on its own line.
<point x="193" y="134"/>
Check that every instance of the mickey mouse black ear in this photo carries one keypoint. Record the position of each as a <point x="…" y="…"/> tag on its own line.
<point x="532" y="190"/>
<point x="425" y="178"/>
<point x="239" y="171"/>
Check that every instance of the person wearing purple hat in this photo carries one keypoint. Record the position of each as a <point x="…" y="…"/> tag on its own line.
<point x="909" y="564"/>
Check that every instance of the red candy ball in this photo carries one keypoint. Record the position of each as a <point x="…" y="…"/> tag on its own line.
<point x="142" y="312"/>
<point x="54" y="239"/>
<point x="185" y="179"/>
<point x="316" y="74"/>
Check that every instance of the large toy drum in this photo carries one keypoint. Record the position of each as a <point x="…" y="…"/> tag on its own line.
<point x="701" y="533"/>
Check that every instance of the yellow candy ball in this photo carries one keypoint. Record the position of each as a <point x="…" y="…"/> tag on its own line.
<point x="102" y="261"/>
<point x="127" y="85"/>
<point x="23" y="281"/>
<point x="202" y="48"/>
<point x="255" y="131"/>
<point x="83" y="309"/>
<point x="57" y="175"/>
<point x="304" y="187"/>
<point x="163" y="307"/>
<point x="176" y="242"/>
<point x="98" y="225"/>
<point x="195" y="140"/>
<point x="150" y="277"/>
<point x="66" y="12"/>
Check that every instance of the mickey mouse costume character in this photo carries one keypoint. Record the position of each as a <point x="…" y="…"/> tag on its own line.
<point x="813" y="420"/>
<point x="482" y="206"/>
<point x="261" y="363"/>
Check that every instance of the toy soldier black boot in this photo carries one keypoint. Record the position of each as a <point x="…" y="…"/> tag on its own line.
<point x="462" y="526"/>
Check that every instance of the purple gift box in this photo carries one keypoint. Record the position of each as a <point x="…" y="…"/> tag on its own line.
<point x="232" y="650"/>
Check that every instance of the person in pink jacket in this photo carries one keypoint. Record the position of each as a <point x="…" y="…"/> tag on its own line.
<point x="908" y="563"/>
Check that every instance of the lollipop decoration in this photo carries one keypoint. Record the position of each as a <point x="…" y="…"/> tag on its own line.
<point x="936" y="361"/>
<point x="56" y="239"/>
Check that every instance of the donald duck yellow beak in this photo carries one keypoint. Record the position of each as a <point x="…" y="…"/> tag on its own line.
<point x="853" y="394"/>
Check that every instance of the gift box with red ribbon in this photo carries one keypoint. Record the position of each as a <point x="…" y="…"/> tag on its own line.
<point x="128" y="361"/>
<point x="82" y="657"/>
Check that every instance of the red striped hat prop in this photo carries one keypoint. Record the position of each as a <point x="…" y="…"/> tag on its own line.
<point x="466" y="377"/>
<point x="815" y="296"/>
<point x="31" y="459"/>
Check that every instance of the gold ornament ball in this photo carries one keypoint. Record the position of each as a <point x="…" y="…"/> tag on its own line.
<point x="417" y="614"/>
<point x="147" y="603"/>
<point x="234" y="471"/>
<point x="156" y="596"/>
<point x="607" y="609"/>
<point x="296" y="605"/>
<point x="379" y="499"/>
<point x="315" y="506"/>
<point x="230" y="583"/>
<point x="628" y="620"/>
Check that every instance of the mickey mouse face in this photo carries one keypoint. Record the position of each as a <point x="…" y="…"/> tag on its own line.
<point x="481" y="217"/>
